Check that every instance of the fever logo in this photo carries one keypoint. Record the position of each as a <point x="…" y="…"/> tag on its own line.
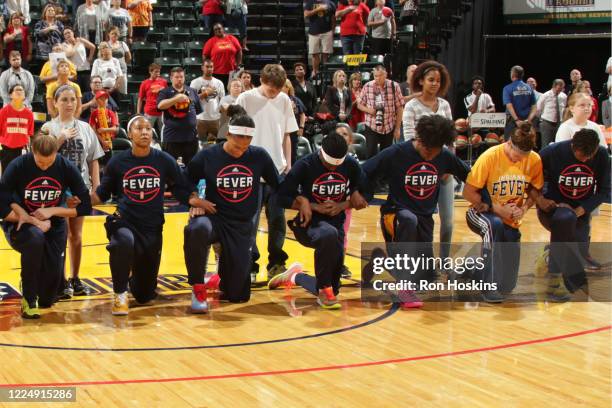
<point x="576" y="181"/>
<point x="421" y="180"/>
<point x="330" y="186"/>
<point x="42" y="192"/>
<point x="141" y="184"/>
<point x="235" y="183"/>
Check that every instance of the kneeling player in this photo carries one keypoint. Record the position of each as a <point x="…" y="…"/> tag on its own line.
<point x="138" y="178"/>
<point x="415" y="170"/>
<point x="577" y="173"/>
<point x="319" y="186"/>
<point x="224" y="213"/>
<point x="36" y="184"/>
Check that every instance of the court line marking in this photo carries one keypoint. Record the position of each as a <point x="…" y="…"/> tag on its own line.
<point x="314" y="369"/>
<point x="394" y="308"/>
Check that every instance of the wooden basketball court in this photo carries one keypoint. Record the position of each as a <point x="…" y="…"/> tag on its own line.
<point x="282" y="350"/>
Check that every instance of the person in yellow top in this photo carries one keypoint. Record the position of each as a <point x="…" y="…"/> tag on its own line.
<point x="63" y="71"/>
<point x="46" y="73"/>
<point x="504" y="182"/>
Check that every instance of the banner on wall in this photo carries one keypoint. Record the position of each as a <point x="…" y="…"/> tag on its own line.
<point x="556" y="11"/>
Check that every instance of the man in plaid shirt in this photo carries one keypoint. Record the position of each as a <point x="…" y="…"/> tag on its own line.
<point x="383" y="104"/>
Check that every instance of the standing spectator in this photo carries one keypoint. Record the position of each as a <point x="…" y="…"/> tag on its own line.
<point x="15" y="75"/>
<point x="16" y="126"/>
<point x="121" y="51"/>
<point x="225" y="52"/>
<point x="304" y="90"/>
<point x="63" y="71"/>
<point x="381" y="100"/>
<point x="575" y="76"/>
<point x="550" y="106"/>
<point x="531" y="81"/>
<point x="606" y="111"/>
<point x="17" y="38"/>
<point x="321" y="23"/>
<point x="61" y="10"/>
<point x="88" y="100"/>
<point x="120" y="18"/>
<point x="274" y="122"/>
<point x="235" y="89"/>
<point x="48" y="32"/>
<point x="300" y="117"/>
<point x="212" y="13"/>
<point x="536" y="118"/>
<point x="382" y="22"/>
<point x="356" y="116"/>
<point x="579" y="108"/>
<point x="609" y="72"/>
<point x="141" y="12"/>
<point x="19" y="6"/>
<point x="353" y="15"/>
<point x="478" y="100"/>
<point x="210" y="90"/>
<point x="107" y="133"/>
<point x="584" y="86"/>
<point x="519" y="101"/>
<point x="90" y="20"/>
<point x="109" y="69"/>
<point x="405" y="86"/>
<point x="48" y="74"/>
<point x="338" y="97"/>
<point x="149" y="89"/>
<point x="180" y="105"/>
<point x="236" y="17"/>
<point x="81" y="53"/>
<point x="245" y="78"/>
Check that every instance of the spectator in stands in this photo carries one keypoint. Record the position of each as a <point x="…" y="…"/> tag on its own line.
<point x="180" y="105"/>
<point x="536" y="118"/>
<point x="107" y="133"/>
<point x="531" y="81"/>
<point x="141" y="13"/>
<point x="48" y="32"/>
<point x="338" y="98"/>
<point x="212" y="13"/>
<point x="321" y="23"/>
<point x="575" y="76"/>
<point x="225" y="52"/>
<point x="18" y="6"/>
<point x="16" y="126"/>
<point x="353" y="15"/>
<point x="245" y="78"/>
<point x="478" y="101"/>
<point x="48" y="74"/>
<point x="300" y="117"/>
<point x="304" y="90"/>
<point x="81" y="53"/>
<point x="63" y="73"/>
<point x="576" y="117"/>
<point x="121" y="51"/>
<point x="405" y="86"/>
<point x="61" y="10"/>
<point x="210" y="90"/>
<point x="606" y="108"/>
<point x="519" y="100"/>
<point x="17" y="75"/>
<point x="584" y="86"/>
<point x="17" y="38"/>
<point x="90" y="19"/>
<point x="108" y="67"/>
<point x="550" y="106"/>
<point x="356" y="115"/>
<point x="89" y="99"/>
<point x="381" y="100"/>
<point x="120" y="18"/>
<point x="382" y="22"/>
<point x="149" y="89"/>
<point x="410" y="9"/>
<point x="236" y="17"/>
<point x="235" y="89"/>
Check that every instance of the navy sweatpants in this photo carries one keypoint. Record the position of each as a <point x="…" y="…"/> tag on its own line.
<point x="235" y="261"/>
<point x="136" y="251"/>
<point x="42" y="259"/>
<point x="500" y="247"/>
<point x="569" y="243"/>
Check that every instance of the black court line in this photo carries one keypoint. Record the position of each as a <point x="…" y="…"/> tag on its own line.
<point x="394" y="308"/>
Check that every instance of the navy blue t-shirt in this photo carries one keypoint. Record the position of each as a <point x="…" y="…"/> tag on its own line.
<point x="320" y="24"/>
<point x="310" y="178"/>
<point x="139" y="184"/>
<point x="24" y="183"/>
<point x="414" y="183"/>
<point x="180" y="121"/>
<point x="232" y="184"/>
<point x="570" y="181"/>
<point x="521" y="96"/>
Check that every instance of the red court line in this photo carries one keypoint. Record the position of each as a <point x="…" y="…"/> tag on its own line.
<point x="315" y="369"/>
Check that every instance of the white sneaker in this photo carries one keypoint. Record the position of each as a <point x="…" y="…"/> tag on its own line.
<point x="120" y="304"/>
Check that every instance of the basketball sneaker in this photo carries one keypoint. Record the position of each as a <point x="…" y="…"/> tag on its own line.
<point x="213" y="282"/>
<point x="65" y="290"/>
<point x="286" y="278"/>
<point x="557" y="292"/>
<point x="327" y="299"/>
<point x="29" y="310"/>
<point x="198" y="298"/>
<point x="542" y="263"/>
<point x="78" y="289"/>
<point x="120" y="304"/>
<point x="492" y="296"/>
<point x="345" y="272"/>
<point x="275" y="271"/>
<point x="409" y="300"/>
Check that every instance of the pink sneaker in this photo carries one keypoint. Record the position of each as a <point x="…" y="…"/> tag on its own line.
<point x="213" y="282"/>
<point x="287" y="278"/>
<point x="409" y="300"/>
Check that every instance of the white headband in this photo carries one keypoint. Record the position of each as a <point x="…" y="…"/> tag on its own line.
<point x="331" y="160"/>
<point x="241" y="130"/>
<point x="134" y="119"/>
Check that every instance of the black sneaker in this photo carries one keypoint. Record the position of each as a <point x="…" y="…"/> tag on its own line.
<point x="65" y="290"/>
<point x="492" y="296"/>
<point x="345" y="273"/>
<point x="78" y="289"/>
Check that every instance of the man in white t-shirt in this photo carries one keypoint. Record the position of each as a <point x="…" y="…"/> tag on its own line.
<point x="478" y="101"/>
<point x="210" y="90"/>
<point x="272" y="112"/>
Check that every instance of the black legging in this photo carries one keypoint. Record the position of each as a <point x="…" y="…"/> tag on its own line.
<point x="373" y="139"/>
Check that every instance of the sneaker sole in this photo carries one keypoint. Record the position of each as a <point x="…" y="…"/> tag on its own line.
<point x="119" y="313"/>
<point x="276" y="281"/>
<point x="199" y="311"/>
<point x="30" y="317"/>
<point x="335" y="306"/>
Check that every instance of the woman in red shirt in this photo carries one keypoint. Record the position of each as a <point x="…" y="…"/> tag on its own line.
<point x="16" y="126"/>
<point x="225" y="52"/>
<point x="211" y="13"/>
<point x="357" y="115"/>
<point x="353" y="15"/>
<point x="17" y="37"/>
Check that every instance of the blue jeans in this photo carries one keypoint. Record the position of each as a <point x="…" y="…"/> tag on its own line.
<point x="352" y="44"/>
<point x="209" y="20"/>
<point x="238" y="22"/>
<point x="277" y="228"/>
